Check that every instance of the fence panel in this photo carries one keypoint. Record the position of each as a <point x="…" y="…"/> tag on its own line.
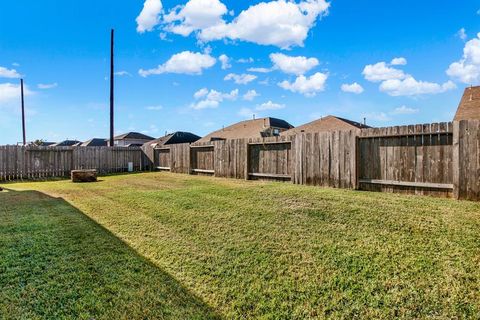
<point x="408" y="159"/>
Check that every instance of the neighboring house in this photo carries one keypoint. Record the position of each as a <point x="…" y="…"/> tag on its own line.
<point x="256" y="128"/>
<point x="329" y="123"/>
<point x="172" y="138"/>
<point x="469" y="107"/>
<point x="66" y="143"/>
<point x="131" y="139"/>
<point x="95" y="142"/>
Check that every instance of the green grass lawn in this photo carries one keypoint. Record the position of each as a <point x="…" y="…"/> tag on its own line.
<point x="159" y="245"/>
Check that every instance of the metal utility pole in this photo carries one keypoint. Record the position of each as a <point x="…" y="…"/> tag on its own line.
<point x="23" y="114"/>
<point x="111" y="88"/>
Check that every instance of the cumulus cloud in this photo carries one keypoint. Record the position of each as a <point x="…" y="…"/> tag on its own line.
<point x="404" y="110"/>
<point x="240" y="78"/>
<point x="185" y="62"/>
<point x="352" y="88"/>
<point x="381" y="71"/>
<point x="250" y="95"/>
<point x="293" y="65"/>
<point x="401" y="61"/>
<point x="195" y="15"/>
<point x="412" y="87"/>
<point x="149" y="16"/>
<point x="11" y="92"/>
<point x="225" y="60"/>
<point x="9" y="73"/>
<point x="245" y="60"/>
<point x="467" y="69"/>
<point x="280" y="23"/>
<point x="45" y="86"/>
<point x="270" y="106"/>
<point x="395" y="82"/>
<point x="211" y="98"/>
<point x="308" y="86"/>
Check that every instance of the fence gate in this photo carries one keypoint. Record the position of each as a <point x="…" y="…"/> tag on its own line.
<point x="269" y="160"/>
<point x="202" y="159"/>
<point x="162" y="158"/>
<point x="413" y="159"/>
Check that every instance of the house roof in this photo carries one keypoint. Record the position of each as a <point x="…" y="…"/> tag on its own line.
<point x="95" y="142"/>
<point x="133" y="135"/>
<point x="469" y="107"/>
<point x="65" y="143"/>
<point x="176" y="137"/>
<point x="328" y="123"/>
<point x="247" y="129"/>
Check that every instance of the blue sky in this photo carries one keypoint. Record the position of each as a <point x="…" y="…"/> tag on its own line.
<point x="194" y="65"/>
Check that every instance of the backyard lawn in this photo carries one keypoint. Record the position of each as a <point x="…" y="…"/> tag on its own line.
<point x="160" y="245"/>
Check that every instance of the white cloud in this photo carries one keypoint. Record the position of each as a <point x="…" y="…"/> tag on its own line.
<point x="245" y="60"/>
<point x="381" y="72"/>
<point x="16" y="64"/>
<point x="259" y="70"/>
<point x="280" y="23"/>
<point x="154" y="108"/>
<point x="411" y="87"/>
<point x="195" y="15"/>
<point x="467" y="69"/>
<point x="45" y="86"/>
<point x="395" y="82"/>
<point x="149" y="16"/>
<point x="185" y="62"/>
<point x="352" y="88"/>
<point x="240" y="78"/>
<point x="225" y="60"/>
<point x="308" y="86"/>
<point x="200" y="93"/>
<point x="400" y="61"/>
<point x="122" y="73"/>
<point x="9" y="73"/>
<point x="462" y="34"/>
<point x="293" y="65"/>
<point x="212" y="98"/>
<point x="11" y="92"/>
<point x="404" y="110"/>
<point x="270" y="106"/>
<point x="250" y="95"/>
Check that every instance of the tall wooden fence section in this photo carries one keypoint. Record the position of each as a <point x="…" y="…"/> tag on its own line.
<point x="18" y="162"/>
<point x="411" y="159"/>
<point x="441" y="159"/>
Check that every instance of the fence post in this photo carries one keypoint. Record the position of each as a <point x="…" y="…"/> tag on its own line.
<point x="456" y="159"/>
<point x="247" y="161"/>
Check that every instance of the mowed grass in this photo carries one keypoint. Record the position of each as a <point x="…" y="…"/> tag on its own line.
<point x="159" y="245"/>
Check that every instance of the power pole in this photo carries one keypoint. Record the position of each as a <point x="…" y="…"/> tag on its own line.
<point x="111" y="88"/>
<point x="23" y="114"/>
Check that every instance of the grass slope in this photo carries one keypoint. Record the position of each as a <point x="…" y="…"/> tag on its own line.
<point x="159" y="245"/>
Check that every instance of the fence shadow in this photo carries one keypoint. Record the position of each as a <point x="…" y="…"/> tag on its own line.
<point x="57" y="263"/>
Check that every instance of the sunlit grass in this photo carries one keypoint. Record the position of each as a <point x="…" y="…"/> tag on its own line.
<point x="234" y="248"/>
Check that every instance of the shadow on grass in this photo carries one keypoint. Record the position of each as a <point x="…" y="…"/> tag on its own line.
<point x="58" y="263"/>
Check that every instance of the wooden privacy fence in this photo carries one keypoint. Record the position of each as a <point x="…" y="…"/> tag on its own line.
<point x="441" y="159"/>
<point x="19" y="162"/>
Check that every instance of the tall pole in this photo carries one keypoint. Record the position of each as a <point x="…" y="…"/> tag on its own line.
<point x="23" y="114"/>
<point x="111" y="88"/>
